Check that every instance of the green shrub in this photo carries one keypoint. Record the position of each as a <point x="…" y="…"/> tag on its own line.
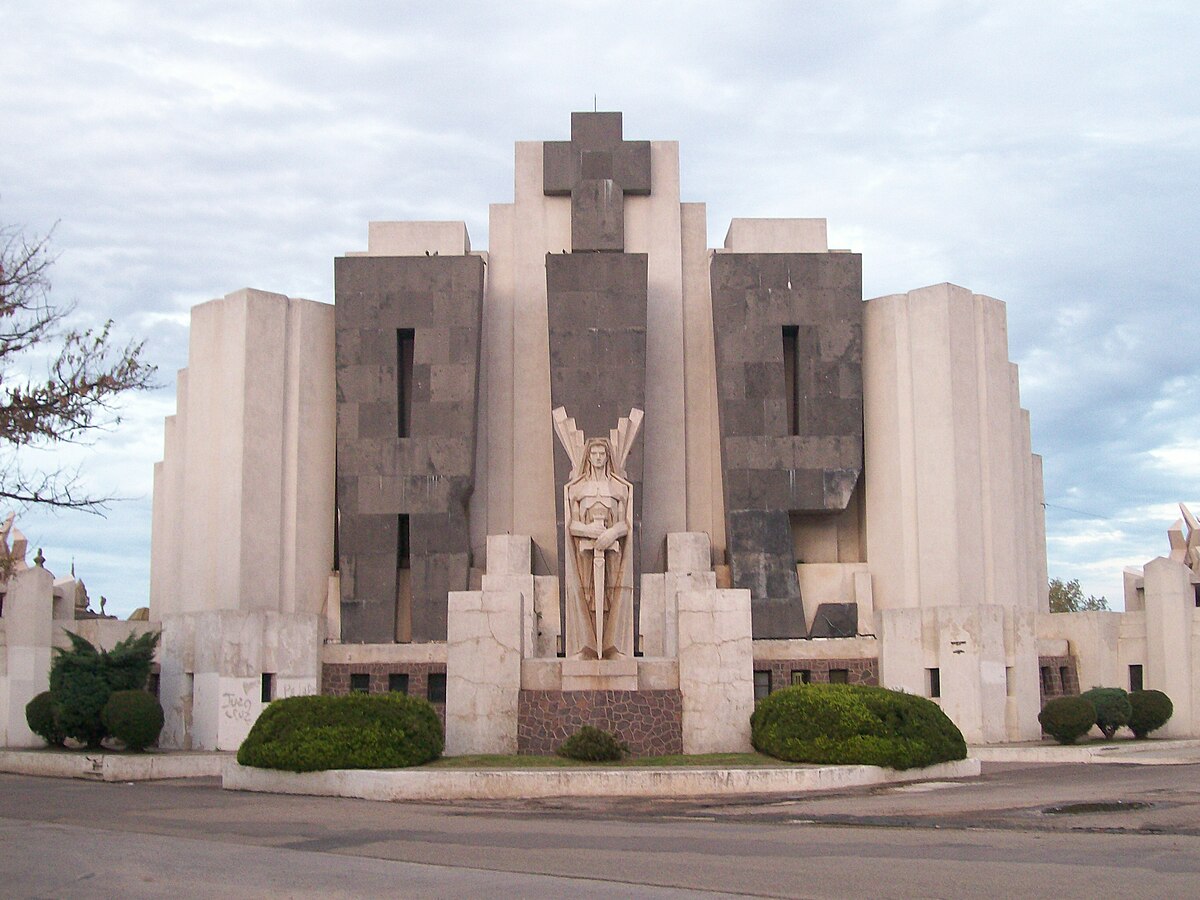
<point x="40" y="714"/>
<point x="1112" y="708"/>
<point x="854" y="725"/>
<point x="82" y="677"/>
<point x="593" y="745"/>
<point x="1151" y="710"/>
<point x="1066" y="719"/>
<point x="356" y="731"/>
<point x="134" y="717"/>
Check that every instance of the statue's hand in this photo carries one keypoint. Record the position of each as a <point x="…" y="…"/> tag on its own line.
<point x="607" y="539"/>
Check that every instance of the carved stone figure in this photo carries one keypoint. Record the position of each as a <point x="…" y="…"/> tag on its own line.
<point x="598" y="512"/>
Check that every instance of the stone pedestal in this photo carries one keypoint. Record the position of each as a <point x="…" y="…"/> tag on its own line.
<point x="599" y="674"/>
<point x="483" y="671"/>
<point x="716" y="670"/>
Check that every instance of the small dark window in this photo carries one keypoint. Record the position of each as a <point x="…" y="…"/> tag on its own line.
<point x="268" y="687"/>
<point x="839" y="676"/>
<point x="1010" y="687"/>
<point x="398" y="682"/>
<point x="403" y="551"/>
<point x="404" y="381"/>
<point x="1047" y="680"/>
<point x="154" y="683"/>
<point x="1195" y="588"/>
<point x="360" y="683"/>
<point x="801" y="676"/>
<point x="436" y="687"/>
<point x="1064" y="678"/>
<point x="933" y="682"/>
<point x="762" y="683"/>
<point x="1135" y="678"/>
<point x="791" y="390"/>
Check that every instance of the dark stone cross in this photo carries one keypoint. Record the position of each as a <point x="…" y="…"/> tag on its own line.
<point x="597" y="168"/>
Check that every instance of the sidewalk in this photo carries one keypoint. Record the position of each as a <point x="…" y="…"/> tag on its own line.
<point x="1150" y="752"/>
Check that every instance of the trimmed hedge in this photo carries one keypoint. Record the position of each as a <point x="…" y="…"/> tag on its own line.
<point x="355" y="731"/>
<point x="593" y="745"/>
<point x="1112" y="708"/>
<point x="43" y="719"/>
<point x="1066" y="719"/>
<point x="1151" y="710"/>
<point x="854" y="725"/>
<point x="134" y="717"/>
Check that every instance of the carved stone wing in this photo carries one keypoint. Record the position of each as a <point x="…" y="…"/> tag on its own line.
<point x="570" y="437"/>
<point x="1193" y="538"/>
<point x="623" y="436"/>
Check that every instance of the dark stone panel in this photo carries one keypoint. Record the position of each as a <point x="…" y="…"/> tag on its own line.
<point x="427" y="475"/>
<point x="596" y="302"/>
<point x="754" y="297"/>
<point x="835" y="620"/>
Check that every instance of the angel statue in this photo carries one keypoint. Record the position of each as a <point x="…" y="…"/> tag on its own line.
<point x="598" y="508"/>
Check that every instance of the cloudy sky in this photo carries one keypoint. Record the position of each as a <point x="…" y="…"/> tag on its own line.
<point x="1045" y="154"/>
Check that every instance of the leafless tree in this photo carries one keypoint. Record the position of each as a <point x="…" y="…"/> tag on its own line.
<point x="84" y="377"/>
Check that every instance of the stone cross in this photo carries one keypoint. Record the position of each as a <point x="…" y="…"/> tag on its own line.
<point x="597" y="168"/>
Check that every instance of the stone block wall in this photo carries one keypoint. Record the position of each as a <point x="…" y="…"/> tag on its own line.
<point x="650" y="722"/>
<point x="771" y="466"/>
<point x="858" y="671"/>
<point x="1059" y="677"/>
<point x="427" y="475"/>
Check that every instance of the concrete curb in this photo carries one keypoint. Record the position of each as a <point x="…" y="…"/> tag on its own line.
<point x="1138" y="753"/>
<point x="528" y="784"/>
<point x="100" y="766"/>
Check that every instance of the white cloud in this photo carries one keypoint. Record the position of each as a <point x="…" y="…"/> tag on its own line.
<point x="1042" y="154"/>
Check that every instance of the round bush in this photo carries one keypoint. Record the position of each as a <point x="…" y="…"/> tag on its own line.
<point x="1066" y="719"/>
<point x="593" y="745"/>
<point x="79" y="701"/>
<point x="854" y="725"/>
<point x="1112" y="708"/>
<point x="43" y="720"/>
<point x="355" y="731"/>
<point x="1151" y="710"/>
<point x="134" y="717"/>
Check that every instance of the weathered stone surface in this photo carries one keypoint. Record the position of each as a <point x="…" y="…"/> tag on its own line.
<point x="648" y="721"/>
<point x="716" y="670"/>
<point x="427" y="475"/>
<point x="597" y="168"/>
<point x="785" y="448"/>
<point x="483" y="671"/>
<point x="596" y="305"/>
<point x="784" y="672"/>
<point x="835" y="620"/>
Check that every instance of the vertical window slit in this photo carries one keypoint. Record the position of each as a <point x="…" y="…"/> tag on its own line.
<point x="404" y="381"/>
<point x="791" y="371"/>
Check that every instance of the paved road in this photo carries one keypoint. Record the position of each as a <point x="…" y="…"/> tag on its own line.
<point x="988" y="837"/>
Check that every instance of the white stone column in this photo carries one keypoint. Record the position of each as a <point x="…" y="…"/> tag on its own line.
<point x="483" y="671"/>
<point x="716" y="670"/>
<point x="1170" y="616"/>
<point x="28" y="610"/>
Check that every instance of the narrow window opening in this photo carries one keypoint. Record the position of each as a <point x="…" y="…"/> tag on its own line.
<point x="1135" y="678"/>
<point x="398" y="682"/>
<point x="404" y="381"/>
<point x="801" y="676"/>
<point x="933" y="682"/>
<point x="435" y="687"/>
<point x="791" y="390"/>
<point x="1064" y="678"/>
<point x="360" y="683"/>
<point x="268" y="687"/>
<point x="1047" y="680"/>
<point x="403" y="580"/>
<point x="1010" y="689"/>
<point x="762" y="683"/>
<point x="154" y="685"/>
<point x="839" y="676"/>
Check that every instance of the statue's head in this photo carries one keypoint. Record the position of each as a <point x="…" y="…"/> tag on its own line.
<point x="598" y="457"/>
